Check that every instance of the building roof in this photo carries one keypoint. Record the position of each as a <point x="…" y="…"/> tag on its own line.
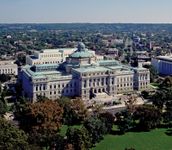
<point x="7" y="62"/>
<point x="91" y="69"/>
<point x="108" y="63"/>
<point x="81" y="52"/>
<point x="56" y="50"/>
<point x="165" y="58"/>
<point x="50" y="75"/>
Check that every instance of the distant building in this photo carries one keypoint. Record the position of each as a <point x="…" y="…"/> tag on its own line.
<point x="49" y="56"/>
<point x="163" y="64"/>
<point x="142" y="58"/>
<point x="112" y="51"/>
<point x="8" y="67"/>
<point x="53" y="56"/>
<point x="82" y="75"/>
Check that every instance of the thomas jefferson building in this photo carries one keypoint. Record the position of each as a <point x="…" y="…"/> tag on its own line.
<point x="83" y="75"/>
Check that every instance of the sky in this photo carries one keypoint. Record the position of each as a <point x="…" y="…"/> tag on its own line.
<point x="90" y="11"/>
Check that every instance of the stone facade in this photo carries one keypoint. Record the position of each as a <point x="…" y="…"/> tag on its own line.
<point x="84" y="76"/>
<point x="8" y="67"/>
<point x="49" y="56"/>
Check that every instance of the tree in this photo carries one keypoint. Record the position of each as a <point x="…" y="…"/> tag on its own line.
<point x="167" y="82"/>
<point x="148" y="117"/>
<point x="96" y="128"/>
<point x="130" y="103"/>
<point x="167" y="116"/>
<point x="21" y="59"/>
<point x="4" y="78"/>
<point x="11" y="137"/>
<point x="145" y="94"/>
<point x="41" y="120"/>
<point x="79" y="138"/>
<point x="125" y="121"/>
<point x="3" y="108"/>
<point x="75" y="111"/>
<point x="59" y="143"/>
<point x="41" y="98"/>
<point x="153" y="72"/>
<point x="159" y="98"/>
<point x="163" y="94"/>
<point x="69" y="147"/>
<point x="108" y="120"/>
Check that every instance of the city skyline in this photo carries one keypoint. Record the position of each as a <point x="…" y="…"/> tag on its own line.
<point x="90" y="11"/>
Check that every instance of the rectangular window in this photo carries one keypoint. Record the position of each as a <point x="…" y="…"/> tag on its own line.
<point x="85" y="83"/>
<point x="44" y="87"/>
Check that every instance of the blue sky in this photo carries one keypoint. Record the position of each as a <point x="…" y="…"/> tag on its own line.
<point x="108" y="11"/>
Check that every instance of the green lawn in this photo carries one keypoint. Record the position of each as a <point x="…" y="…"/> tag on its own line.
<point x="64" y="128"/>
<point x="154" y="85"/>
<point x="154" y="140"/>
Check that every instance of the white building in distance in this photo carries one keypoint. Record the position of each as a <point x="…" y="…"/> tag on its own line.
<point x="83" y="75"/>
<point x="52" y="56"/>
<point x="163" y="64"/>
<point x="8" y="67"/>
<point x="49" y="56"/>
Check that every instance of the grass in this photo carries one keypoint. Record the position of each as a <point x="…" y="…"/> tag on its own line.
<point x="155" y="84"/>
<point x="64" y="128"/>
<point x="154" y="140"/>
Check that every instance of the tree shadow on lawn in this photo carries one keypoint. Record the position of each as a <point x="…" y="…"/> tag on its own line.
<point x="134" y="130"/>
<point x="169" y="132"/>
<point x="116" y="132"/>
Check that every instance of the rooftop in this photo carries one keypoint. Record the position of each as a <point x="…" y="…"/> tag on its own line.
<point x="166" y="58"/>
<point x="108" y="63"/>
<point x="81" y="52"/>
<point x="9" y="62"/>
<point x="56" y="50"/>
<point x="50" y="75"/>
<point x="91" y="69"/>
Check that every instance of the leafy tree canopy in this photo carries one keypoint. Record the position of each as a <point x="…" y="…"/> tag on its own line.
<point x="11" y="137"/>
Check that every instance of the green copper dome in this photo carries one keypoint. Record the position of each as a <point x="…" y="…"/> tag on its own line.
<point x="81" y="52"/>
